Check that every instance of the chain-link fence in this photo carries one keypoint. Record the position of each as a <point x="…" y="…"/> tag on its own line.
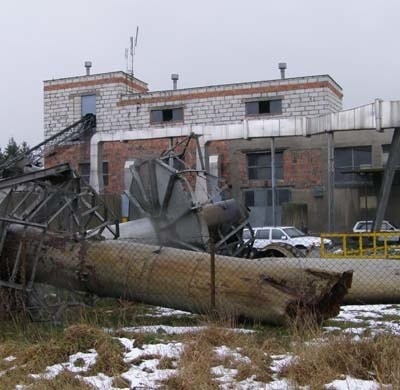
<point x="271" y="289"/>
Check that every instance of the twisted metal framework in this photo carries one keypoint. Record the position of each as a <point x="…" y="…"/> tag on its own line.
<point x="35" y="155"/>
<point x="48" y="200"/>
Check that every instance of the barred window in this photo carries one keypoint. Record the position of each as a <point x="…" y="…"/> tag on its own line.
<point x="351" y="158"/>
<point x="84" y="172"/>
<point x="259" y="166"/>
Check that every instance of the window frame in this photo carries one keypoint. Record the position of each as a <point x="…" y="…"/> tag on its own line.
<point x="351" y="179"/>
<point x="164" y="110"/>
<point x="281" y="234"/>
<point x="266" y="194"/>
<point x="86" y="177"/>
<point x="279" y="168"/>
<point x="259" y="232"/>
<point x="88" y="95"/>
<point x="260" y="111"/>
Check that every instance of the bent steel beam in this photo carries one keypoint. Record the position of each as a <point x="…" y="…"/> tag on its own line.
<point x="390" y="170"/>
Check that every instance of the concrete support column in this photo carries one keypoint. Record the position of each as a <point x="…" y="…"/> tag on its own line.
<point x="96" y="167"/>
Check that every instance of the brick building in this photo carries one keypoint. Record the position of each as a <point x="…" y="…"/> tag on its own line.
<point x="133" y="122"/>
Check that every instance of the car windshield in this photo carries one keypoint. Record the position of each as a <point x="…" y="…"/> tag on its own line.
<point x="292" y="232"/>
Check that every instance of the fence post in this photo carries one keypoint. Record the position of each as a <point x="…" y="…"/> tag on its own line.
<point x="212" y="273"/>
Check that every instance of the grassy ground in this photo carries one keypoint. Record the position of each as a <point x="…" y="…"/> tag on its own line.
<point x="318" y="357"/>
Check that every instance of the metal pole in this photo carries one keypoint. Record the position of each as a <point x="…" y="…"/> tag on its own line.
<point x="171" y="145"/>
<point x="273" y="181"/>
<point x="212" y="273"/>
<point x="331" y="182"/>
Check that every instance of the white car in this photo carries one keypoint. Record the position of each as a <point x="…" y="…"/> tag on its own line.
<point x="366" y="226"/>
<point x="288" y="234"/>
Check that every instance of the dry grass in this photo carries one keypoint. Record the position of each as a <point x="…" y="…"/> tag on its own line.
<point x="369" y="358"/>
<point x="65" y="381"/>
<point x="194" y="367"/>
<point x="317" y="363"/>
<point x="167" y="363"/>
<point x="35" y="357"/>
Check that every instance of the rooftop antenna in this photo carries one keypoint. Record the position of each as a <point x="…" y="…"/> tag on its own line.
<point x="133" y="48"/>
<point x="127" y="59"/>
<point x="130" y="54"/>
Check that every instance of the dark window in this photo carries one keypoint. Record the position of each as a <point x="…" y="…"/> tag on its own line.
<point x="249" y="198"/>
<point x="263" y="234"/>
<point x="84" y="172"/>
<point x="262" y="197"/>
<point x="166" y="115"/>
<point x="273" y="107"/>
<point x="349" y="159"/>
<point x="259" y="166"/>
<point x="277" y="234"/>
<point x="88" y="104"/>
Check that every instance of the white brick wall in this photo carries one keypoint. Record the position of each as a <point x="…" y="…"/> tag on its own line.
<point x="122" y="108"/>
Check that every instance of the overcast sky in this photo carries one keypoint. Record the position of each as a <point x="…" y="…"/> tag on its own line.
<point x="206" y="42"/>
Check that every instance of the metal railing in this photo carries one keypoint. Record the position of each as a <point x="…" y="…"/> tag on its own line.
<point x="371" y="245"/>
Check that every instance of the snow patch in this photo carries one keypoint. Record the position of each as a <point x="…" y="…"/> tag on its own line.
<point x="78" y="362"/>
<point x="159" y="311"/>
<point x="350" y="383"/>
<point x="224" y="352"/>
<point x="175" y="330"/>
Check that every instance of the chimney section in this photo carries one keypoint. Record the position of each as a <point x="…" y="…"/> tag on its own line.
<point x="282" y="66"/>
<point x="175" y="78"/>
<point x="88" y="65"/>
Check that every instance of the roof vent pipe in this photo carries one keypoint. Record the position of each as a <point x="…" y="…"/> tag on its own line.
<point x="175" y="78"/>
<point x="282" y="67"/>
<point x="88" y="65"/>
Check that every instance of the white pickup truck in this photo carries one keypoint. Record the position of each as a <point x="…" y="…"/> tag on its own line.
<point x="287" y="234"/>
<point x="366" y="226"/>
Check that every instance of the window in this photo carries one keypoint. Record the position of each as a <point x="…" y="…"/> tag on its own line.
<point x="84" y="172"/>
<point x="272" y="107"/>
<point x="259" y="166"/>
<point x="261" y="197"/>
<point x="166" y="115"/>
<point x="349" y="159"/>
<point x="263" y="234"/>
<point x="88" y="104"/>
<point x="277" y="234"/>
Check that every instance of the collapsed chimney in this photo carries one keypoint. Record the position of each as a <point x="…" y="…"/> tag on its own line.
<point x="88" y="65"/>
<point x="282" y="66"/>
<point x="175" y="78"/>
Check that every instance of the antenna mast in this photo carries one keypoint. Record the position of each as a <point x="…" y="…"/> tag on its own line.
<point x="131" y="53"/>
<point x="133" y="49"/>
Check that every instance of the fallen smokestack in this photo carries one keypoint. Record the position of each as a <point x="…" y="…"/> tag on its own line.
<point x="260" y="290"/>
